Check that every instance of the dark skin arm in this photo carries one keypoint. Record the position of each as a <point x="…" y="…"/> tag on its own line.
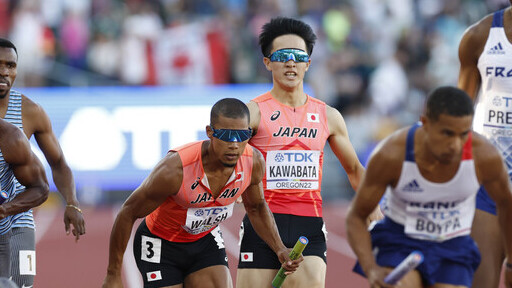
<point x="494" y="177"/>
<point x="27" y="169"/>
<point x="262" y="219"/>
<point x="383" y="169"/>
<point x="470" y="49"/>
<point x="162" y="182"/>
<point x="36" y="122"/>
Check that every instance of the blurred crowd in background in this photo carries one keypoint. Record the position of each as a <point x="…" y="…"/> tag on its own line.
<point x="375" y="60"/>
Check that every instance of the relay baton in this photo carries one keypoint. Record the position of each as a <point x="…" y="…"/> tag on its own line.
<point x="410" y="263"/>
<point x="294" y="254"/>
<point x="3" y="196"/>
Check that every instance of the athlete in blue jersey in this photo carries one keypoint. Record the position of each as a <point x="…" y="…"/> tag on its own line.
<point x="485" y="54"/>
<point x="432" y="172"/>
<point x="32" y="119"/>
<point x="16" y="160"/>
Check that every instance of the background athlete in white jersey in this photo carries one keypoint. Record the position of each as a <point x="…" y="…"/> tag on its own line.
<point x="434" y="171"/>
<point x="16" y="160"/>
<point x="22" y="112"/>
<point x="485" y="54"/>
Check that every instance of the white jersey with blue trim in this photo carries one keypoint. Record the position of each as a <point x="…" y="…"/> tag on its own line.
<point x="493" y="116"/>
<point x="13" y="116"/>
<point x="428" y="210"/>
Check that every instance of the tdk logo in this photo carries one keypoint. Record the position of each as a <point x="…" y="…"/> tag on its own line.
<point x="296" y="157"/>
<point x="497" y="49"/>
<point x="413" y="186"/>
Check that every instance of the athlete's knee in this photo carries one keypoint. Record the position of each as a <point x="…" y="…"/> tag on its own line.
<point x="315" y="282"/>
<point x="309" y="278"/>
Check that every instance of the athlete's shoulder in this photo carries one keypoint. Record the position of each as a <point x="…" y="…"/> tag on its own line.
<point x="263" y="97"/>
<point x="316" y="101"/>
<point x="386" y="160"/>
<point x="392" y="148"/>
<point x="253" y="152"/>
<point x="170" y="168"/>
<point x="190" y="152"/>
<point x="476" y="35"/>
<point x="258" y="164"/>
<point x="13" y="143"/>
<point x="483" y="149"/>
<point x="32" y="110"/>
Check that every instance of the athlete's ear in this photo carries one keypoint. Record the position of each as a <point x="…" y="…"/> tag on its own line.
<point x="307" y="64"/>
<point x="209" y="131"/>
<point x="424" y="120"/>
<point x="266" y="62"/>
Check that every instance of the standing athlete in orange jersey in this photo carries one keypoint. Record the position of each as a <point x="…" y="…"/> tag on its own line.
<point x="291" y="129"/>
<point x="183" y="200"/>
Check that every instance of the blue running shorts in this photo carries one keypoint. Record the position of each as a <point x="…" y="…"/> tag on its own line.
<point x="484" y="201"/>
<point x="451" y="262"/>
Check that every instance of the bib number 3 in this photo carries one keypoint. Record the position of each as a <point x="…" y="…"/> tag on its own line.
<point x="151" y="249"/>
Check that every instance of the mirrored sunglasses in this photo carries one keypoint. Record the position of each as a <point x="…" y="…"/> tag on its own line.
<point x="285" y="55"/>
<point x="232" y="135"/>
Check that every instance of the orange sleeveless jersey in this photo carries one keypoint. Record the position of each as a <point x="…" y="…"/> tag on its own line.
<point x="193" y="212"/>
<point x="292" y="141"/>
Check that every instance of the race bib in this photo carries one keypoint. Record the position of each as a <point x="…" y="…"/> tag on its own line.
<point x="293" y="169"/>
<point x="203" y="219"/>
<point x="497" y="115"/>
<point x="437" y="224"/>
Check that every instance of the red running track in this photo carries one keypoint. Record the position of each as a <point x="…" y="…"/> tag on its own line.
<point x="62" y="263"/>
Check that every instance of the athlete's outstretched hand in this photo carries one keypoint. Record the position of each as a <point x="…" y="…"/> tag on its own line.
<point x="74" y="217"/>
<point x="376" y="275"/>
<point x="288" y="264"/>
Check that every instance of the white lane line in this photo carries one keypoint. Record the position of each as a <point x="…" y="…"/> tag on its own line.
<point x="131" y="272"/>
<point x="43" y="218"/>
<point x="231" y="241"/>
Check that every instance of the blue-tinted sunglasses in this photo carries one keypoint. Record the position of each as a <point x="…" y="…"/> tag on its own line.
<point x="232" y="135"/>
<point x="285" y="55"/>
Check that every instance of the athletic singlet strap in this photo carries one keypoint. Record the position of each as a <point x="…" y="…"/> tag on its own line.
<point x="497" y="19"/>
<point x="409" y="146"/>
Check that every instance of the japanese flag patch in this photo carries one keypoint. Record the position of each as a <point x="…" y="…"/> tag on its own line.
<point x="246" y="257"/>
<point x="154" y="276"/>
<point x="313" y="117"/>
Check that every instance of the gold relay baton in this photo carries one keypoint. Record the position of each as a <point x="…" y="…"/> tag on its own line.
<point x="294" y="254"/>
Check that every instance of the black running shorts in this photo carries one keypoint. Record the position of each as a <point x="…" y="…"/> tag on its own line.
<point x="164" y="263"/>
<point x="254" y="252"/>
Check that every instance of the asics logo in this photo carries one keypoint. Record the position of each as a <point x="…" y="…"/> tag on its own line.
<point x="275" y="115"/>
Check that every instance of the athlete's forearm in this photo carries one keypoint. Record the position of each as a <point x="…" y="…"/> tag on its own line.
<point x="360" y="241"/>
<point x="32" y="196"/>
<point x="505" y="218"/>
<point x="63" y="179"/>
<point x="119" y="237"/>
<point x="265" y="226"/>
<point x="355" y="178"/>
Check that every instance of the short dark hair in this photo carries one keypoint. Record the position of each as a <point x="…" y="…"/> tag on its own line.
<point x="8" y="44"/>
<point x="450" y="101"/>
<point x="230" y="108"/>
<point x="282" y="26"/>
